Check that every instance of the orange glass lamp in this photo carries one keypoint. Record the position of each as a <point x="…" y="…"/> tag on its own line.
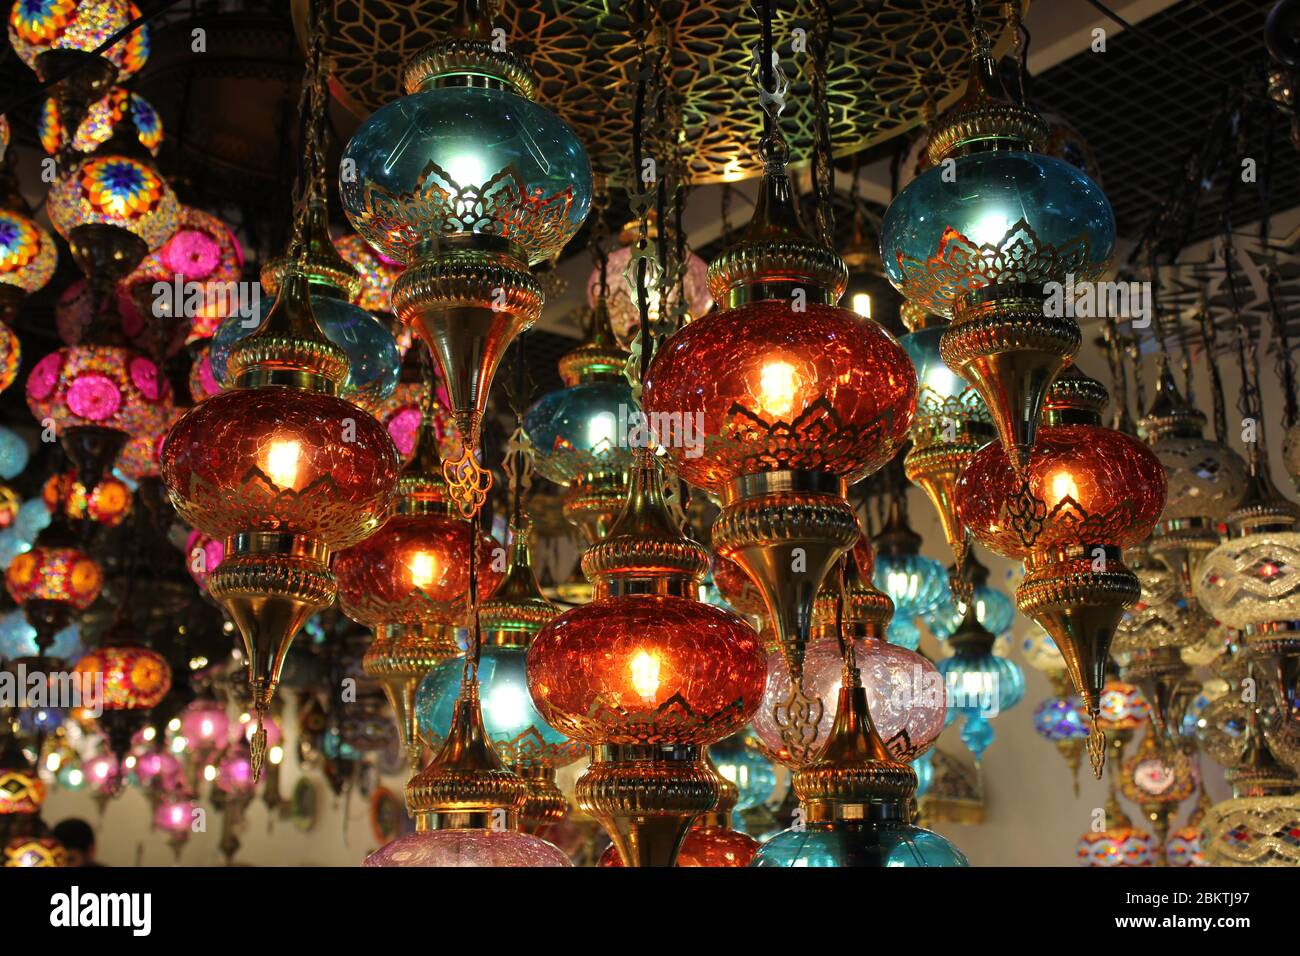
<point x="648" y="677"/>
<point x="1086" y="493"/>
<point x="796" y="399"/>
<point x="287" y="473"/>
<point x="409" y="580"/>
<point x="53" y="581"/>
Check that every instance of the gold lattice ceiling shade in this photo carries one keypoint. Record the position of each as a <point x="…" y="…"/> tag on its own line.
<point x="889" y="59"/>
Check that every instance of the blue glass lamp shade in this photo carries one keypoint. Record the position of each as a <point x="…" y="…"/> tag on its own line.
<point x="924" y="767"/>
<point x="459" y="160"/>
<point x="373" y="360"/>
<point x="516" y="729"/>
<point x="917" y="585"/>
<point x="13" y="454"/>
<point x="1003" y="217"/>
<point x="579" y="430"/>
<point x="867" y="844"/>
<point x="1061" y="718"/>
<point x="33" y="518"/>
<point x="943" y="394"/>
<point x="752" y="773"/>
<point x="40" y="720"/>
<point x="993" y="609"/>
<point x="18" y="639"/>
<point x="903" y="632"/>
<point x="980" y="686"/>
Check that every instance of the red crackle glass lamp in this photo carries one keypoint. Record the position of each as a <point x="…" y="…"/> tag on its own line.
<point x="286" y="473"/>
<point x="409" y="582"/>
<point x="1087" y="493"/>
<point x="54" y="581"/>
<point x="648" y="676"/>
<point x="795" y="398"/>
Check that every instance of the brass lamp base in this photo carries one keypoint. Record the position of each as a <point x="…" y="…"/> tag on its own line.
<point x="270" y="584"/>
<point x="1001" y="342"/>
<point x="1181" y="544"/>
<point x="399" y="658"/>
<point x="1080" y="607"/>
<point x="544" y="803"/>
<point x="592" y="506"/>
<point x="1166" y="683"/>
<point x="647" y="797"/>
<point x="786" y="530"/>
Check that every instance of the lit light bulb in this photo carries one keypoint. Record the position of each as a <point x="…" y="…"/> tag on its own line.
<point x="178" y="744"/>
<point x="174" y="724"/>
<point x="129" y="762"/>
<point x="645" y="675"/>
<point x="505" y="707"/>
<point x="275" y="754"/>
<point x="1063" y="487"/>
<point x="282" y="463"/>
<point x="990" y="230"/>
<point x="424" y="570"/>
<point x="75" y="778"/>
<point x="467" y="170"/>
<point x="778" y="384"/>
<point x="861" y="304"/>
<point x="209" y="773"/>
<point x="52" y="762"/>
<point x="148" y="734"/>
<point x="601" y="431"/>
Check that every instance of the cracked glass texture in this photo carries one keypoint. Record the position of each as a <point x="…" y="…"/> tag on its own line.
<point x="1090" y="486"/>
<point x="414" y="570"/>
<point x="460" y="160"/>
<point x="859" y="845"/>
<point x="646" y="669"/>
<point x="471" y="848"/>
<point x="703" y="846"/>
<point x="978" y="204"/>
<point x="1251" y="580"/>
<point x="822" y="390"/>
<point x="622" y="301"/>
<point x="1206" y="480"/>
<point x="276" y="459"/>
<point x="904" y="694"/>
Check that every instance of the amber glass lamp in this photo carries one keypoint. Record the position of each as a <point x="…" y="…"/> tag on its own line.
<point x="1086" y="493"/>
<point x="648" y="677"/>
<point x="287" y="473"/>
<point x="796" y="398"/>
<point x="408" y="582"/>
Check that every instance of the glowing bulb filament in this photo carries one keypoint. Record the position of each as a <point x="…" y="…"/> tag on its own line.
<point x="424" y="570"/>
<point x="645" y="675"/>
<point x="1063" y="487"/>
<point x="778" y="385"/>
<point x="282" y="463"/>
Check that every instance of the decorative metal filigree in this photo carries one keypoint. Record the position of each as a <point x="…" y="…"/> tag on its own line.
<point x="815" y="441"/>
<point x="671" y="722"/>
<point x="1253" y="831"/>
<point x="439" y="206"/>
<point x="960" y="266"/>
<point x="1029" y="517"/>
<point x="468" y="482"/>
<point x="890" y="59"/>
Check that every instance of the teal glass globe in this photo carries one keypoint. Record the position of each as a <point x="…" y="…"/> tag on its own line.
<point x="580" y="430"/>
<point x="33" y="518"/>
<point x="917" y="585"/>
<point x="513" y="724"/>
<point x="942" y="392"/>
<point x="933" y="227"/>
<point x="373" y="360"/>
<point x="993" y="609"/>
<point x="924" y="767"/>
<point x="903" y="632"/>
<point x="858" y="845"/>
<point x="18" y="639"/>
<point x="752" y="773"/>
<point x="977" y="733"/>
<point x="458" y="160"/>
<point x="980" y="686"/>
<point x="13" y="454"/>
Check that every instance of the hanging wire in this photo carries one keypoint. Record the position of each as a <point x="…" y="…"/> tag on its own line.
<point x="1209" y="345"/>
<point x="823" y="166"/>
